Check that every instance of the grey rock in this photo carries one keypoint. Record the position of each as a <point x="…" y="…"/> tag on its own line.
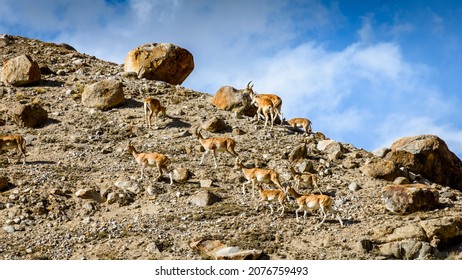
<point x="204" y="198"/>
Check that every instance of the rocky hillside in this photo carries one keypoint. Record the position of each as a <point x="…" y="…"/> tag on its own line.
<point x="79" y="196"/>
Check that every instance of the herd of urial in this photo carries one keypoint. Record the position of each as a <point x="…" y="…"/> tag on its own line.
<point x="269" y="108"/>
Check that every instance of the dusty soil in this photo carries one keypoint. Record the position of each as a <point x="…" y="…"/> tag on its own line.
<point x="83" y="148"/>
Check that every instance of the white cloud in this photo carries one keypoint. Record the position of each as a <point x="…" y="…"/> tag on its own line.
<point x="366" y="32"/>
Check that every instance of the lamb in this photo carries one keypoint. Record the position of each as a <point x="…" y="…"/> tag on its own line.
<point x="268" y="196"/>
<point x="258" y="175"/>
<point x="265" y="110"/>
<point x="152" y="106"/>
<point x="275" y="100"/>
<point x="306" y="178"/>
<point x="314" y="202"/>
<point x="151" y="159"/>
<point x="11" y="142"/>
<point x="303" y="122"/>
<point x="215" y="145"/>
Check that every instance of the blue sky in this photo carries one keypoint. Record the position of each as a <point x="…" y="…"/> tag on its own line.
<point x="365" y="72"/>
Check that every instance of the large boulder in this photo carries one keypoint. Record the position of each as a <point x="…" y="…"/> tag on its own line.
<point x="21" y="71"/>
<point x="104" y="95"/>
<point x="234" y="100"/>
<point x="410" y="198"/>
<point x="29" y="115"/>
<point x="429" y="156"/>
<point x="162" y="62"/>
<point x="381" y="169"/>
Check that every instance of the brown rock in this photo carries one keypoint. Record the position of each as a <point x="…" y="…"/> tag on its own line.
<point x="20" y="71"/>
<point x="215" y="124"/>
<point x="104" y="95"/>
<point x="407" y="250"/>
<point x="29" y="115"/>
<point x="429" y="156"/>
<point x="410" y="231"/>
<point x="403" y="199"/>
<point x="231" y="99"/>
<point x="180" y="175"/>
<point x="443" y="231"/>
<point x="381" y="169"/>
<point x="89" y="194"/>
<point x="163" y="62"/>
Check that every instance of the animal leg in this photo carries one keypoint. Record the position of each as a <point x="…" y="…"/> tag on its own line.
<point x="253" y="188"/>
<point x="215" y="158"/>
<point x="8" y="158"/>
<point x="324" y="216"/>
<point x="296" y="214"/>
<point x="243" y="187"/>
<point x="271" y="207"/>
<point x="203" y="156"/>
<point x="142" y="172"/>
<point x="282" y="212"/>
<point x="150" y="118"/>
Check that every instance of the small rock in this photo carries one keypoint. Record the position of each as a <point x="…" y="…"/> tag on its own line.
<point x="364" y="245"/>
<point x="9" y="229"/>
<point x="401" y="181"/>
<point x="3" y="183"/>
<point x="111" y="198"/>
<point x="89" y="194"/>
<point x="353" y="187"/>
<point x="237" y="131"/>
<point x="180" y="175"/>
<point x="219" y="251"/>
<point x="204" y="198"/>
<point x="449" y="195"/>
<point x="185" y="133"/>
<point x="207" y="183"/>
<point x="215" y="124"/>
<point x="122" y="184"/>
<point x="152" y="248"/>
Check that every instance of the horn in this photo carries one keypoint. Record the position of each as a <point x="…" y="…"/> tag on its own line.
<point x="248" y="85"/>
